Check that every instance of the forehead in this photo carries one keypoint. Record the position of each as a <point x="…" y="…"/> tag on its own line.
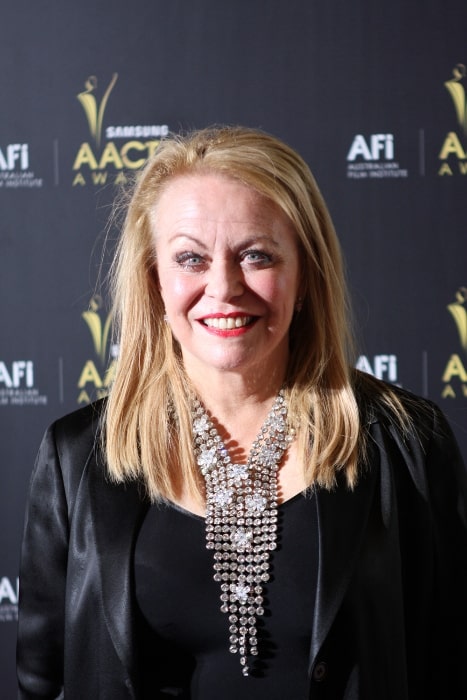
<point x="214" y="198"/>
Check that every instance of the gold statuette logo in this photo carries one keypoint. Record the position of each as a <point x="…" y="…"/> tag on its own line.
<point x="94" y="381"/>
<point x="99" y="332"/>
<point x="94" y="112"/>
<point x="459" y="313"/>
<point x="453" y="154"/>
<point x="457" y="92"/>
<point x="455" y="373"/>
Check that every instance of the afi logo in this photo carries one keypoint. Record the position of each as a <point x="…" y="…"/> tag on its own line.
<point x="21" y="373"/>
<point x="378" y="146"/>
<point x="384" y="366"/>
<point x="16" y="155"/>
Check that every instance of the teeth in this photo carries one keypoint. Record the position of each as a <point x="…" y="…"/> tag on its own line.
<point x="228" y="324"/>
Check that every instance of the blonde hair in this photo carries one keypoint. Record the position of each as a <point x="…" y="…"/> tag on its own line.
<point x="147" y="426"/>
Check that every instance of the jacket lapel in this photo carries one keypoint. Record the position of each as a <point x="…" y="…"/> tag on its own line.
<point x="342" y="521"/>
<point x="116" y="511"/>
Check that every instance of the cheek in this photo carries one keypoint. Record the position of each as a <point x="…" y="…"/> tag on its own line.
<point x="177" y="291"/>
<point x="281" y="292"/>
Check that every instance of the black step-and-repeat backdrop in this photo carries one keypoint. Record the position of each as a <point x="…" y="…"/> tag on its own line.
<point x="373" y="94"/>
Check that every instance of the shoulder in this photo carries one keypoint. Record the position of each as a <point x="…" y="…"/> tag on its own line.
<point x="415" y="426"/>
<point x="69" y="444"/>
<point x="380" y="402"/>
<point x="82" y="425"/>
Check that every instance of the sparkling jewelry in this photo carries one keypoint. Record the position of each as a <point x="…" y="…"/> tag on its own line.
<point x="241" y="518"/>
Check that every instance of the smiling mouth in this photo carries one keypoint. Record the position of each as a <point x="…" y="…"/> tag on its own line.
<point x="229" y="323"/>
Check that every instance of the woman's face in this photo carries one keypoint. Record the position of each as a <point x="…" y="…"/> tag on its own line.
<point x="228" y="267"/>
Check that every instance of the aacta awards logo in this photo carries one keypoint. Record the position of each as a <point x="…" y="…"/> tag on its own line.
<point x="453" y="154"/>
<point x="455" y="373"/>
<point x="9" y="591"/>
<point x="125" y="148"/>
<point x="97" y="375"/>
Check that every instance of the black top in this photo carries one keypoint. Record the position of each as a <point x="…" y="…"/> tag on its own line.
<point x="182" y="629"/>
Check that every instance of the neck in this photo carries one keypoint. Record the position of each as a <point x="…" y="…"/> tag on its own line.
<point x="227" y="391"/>
<point x="238" y="410"/>
<point x="235" y="394"/>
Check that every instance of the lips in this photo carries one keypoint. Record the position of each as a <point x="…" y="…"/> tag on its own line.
<point x="227" y="323"/>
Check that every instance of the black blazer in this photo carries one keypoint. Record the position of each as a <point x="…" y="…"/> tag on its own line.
<point x="390" y="618"/>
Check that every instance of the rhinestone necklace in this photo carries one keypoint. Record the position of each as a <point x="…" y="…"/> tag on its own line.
<point x="241" y="518"/>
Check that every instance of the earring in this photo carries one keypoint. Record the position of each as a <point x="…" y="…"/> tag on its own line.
<point x="298" y="304"/>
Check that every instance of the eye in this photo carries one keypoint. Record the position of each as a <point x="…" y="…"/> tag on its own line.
<point x="257" y="257"/>
<point x="189" y="260"/>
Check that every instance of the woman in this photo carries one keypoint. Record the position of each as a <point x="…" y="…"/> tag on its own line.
<point x="245" y="516"/>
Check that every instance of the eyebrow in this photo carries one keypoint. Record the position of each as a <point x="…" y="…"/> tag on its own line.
<point x="248" y="241"/>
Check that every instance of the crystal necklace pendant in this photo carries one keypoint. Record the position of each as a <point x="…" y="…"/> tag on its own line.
<point x="241" y="519"/>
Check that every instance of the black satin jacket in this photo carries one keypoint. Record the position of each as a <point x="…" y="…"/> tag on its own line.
<point x="390" y="618"/>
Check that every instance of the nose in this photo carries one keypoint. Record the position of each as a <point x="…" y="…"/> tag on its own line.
<point x="224" y="280"/>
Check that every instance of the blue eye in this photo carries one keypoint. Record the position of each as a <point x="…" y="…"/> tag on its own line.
<point x="256" y="257"/>
<point x="189" y="259"/>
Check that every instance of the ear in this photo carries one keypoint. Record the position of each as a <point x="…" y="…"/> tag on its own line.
<point x="298" y="304"/>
